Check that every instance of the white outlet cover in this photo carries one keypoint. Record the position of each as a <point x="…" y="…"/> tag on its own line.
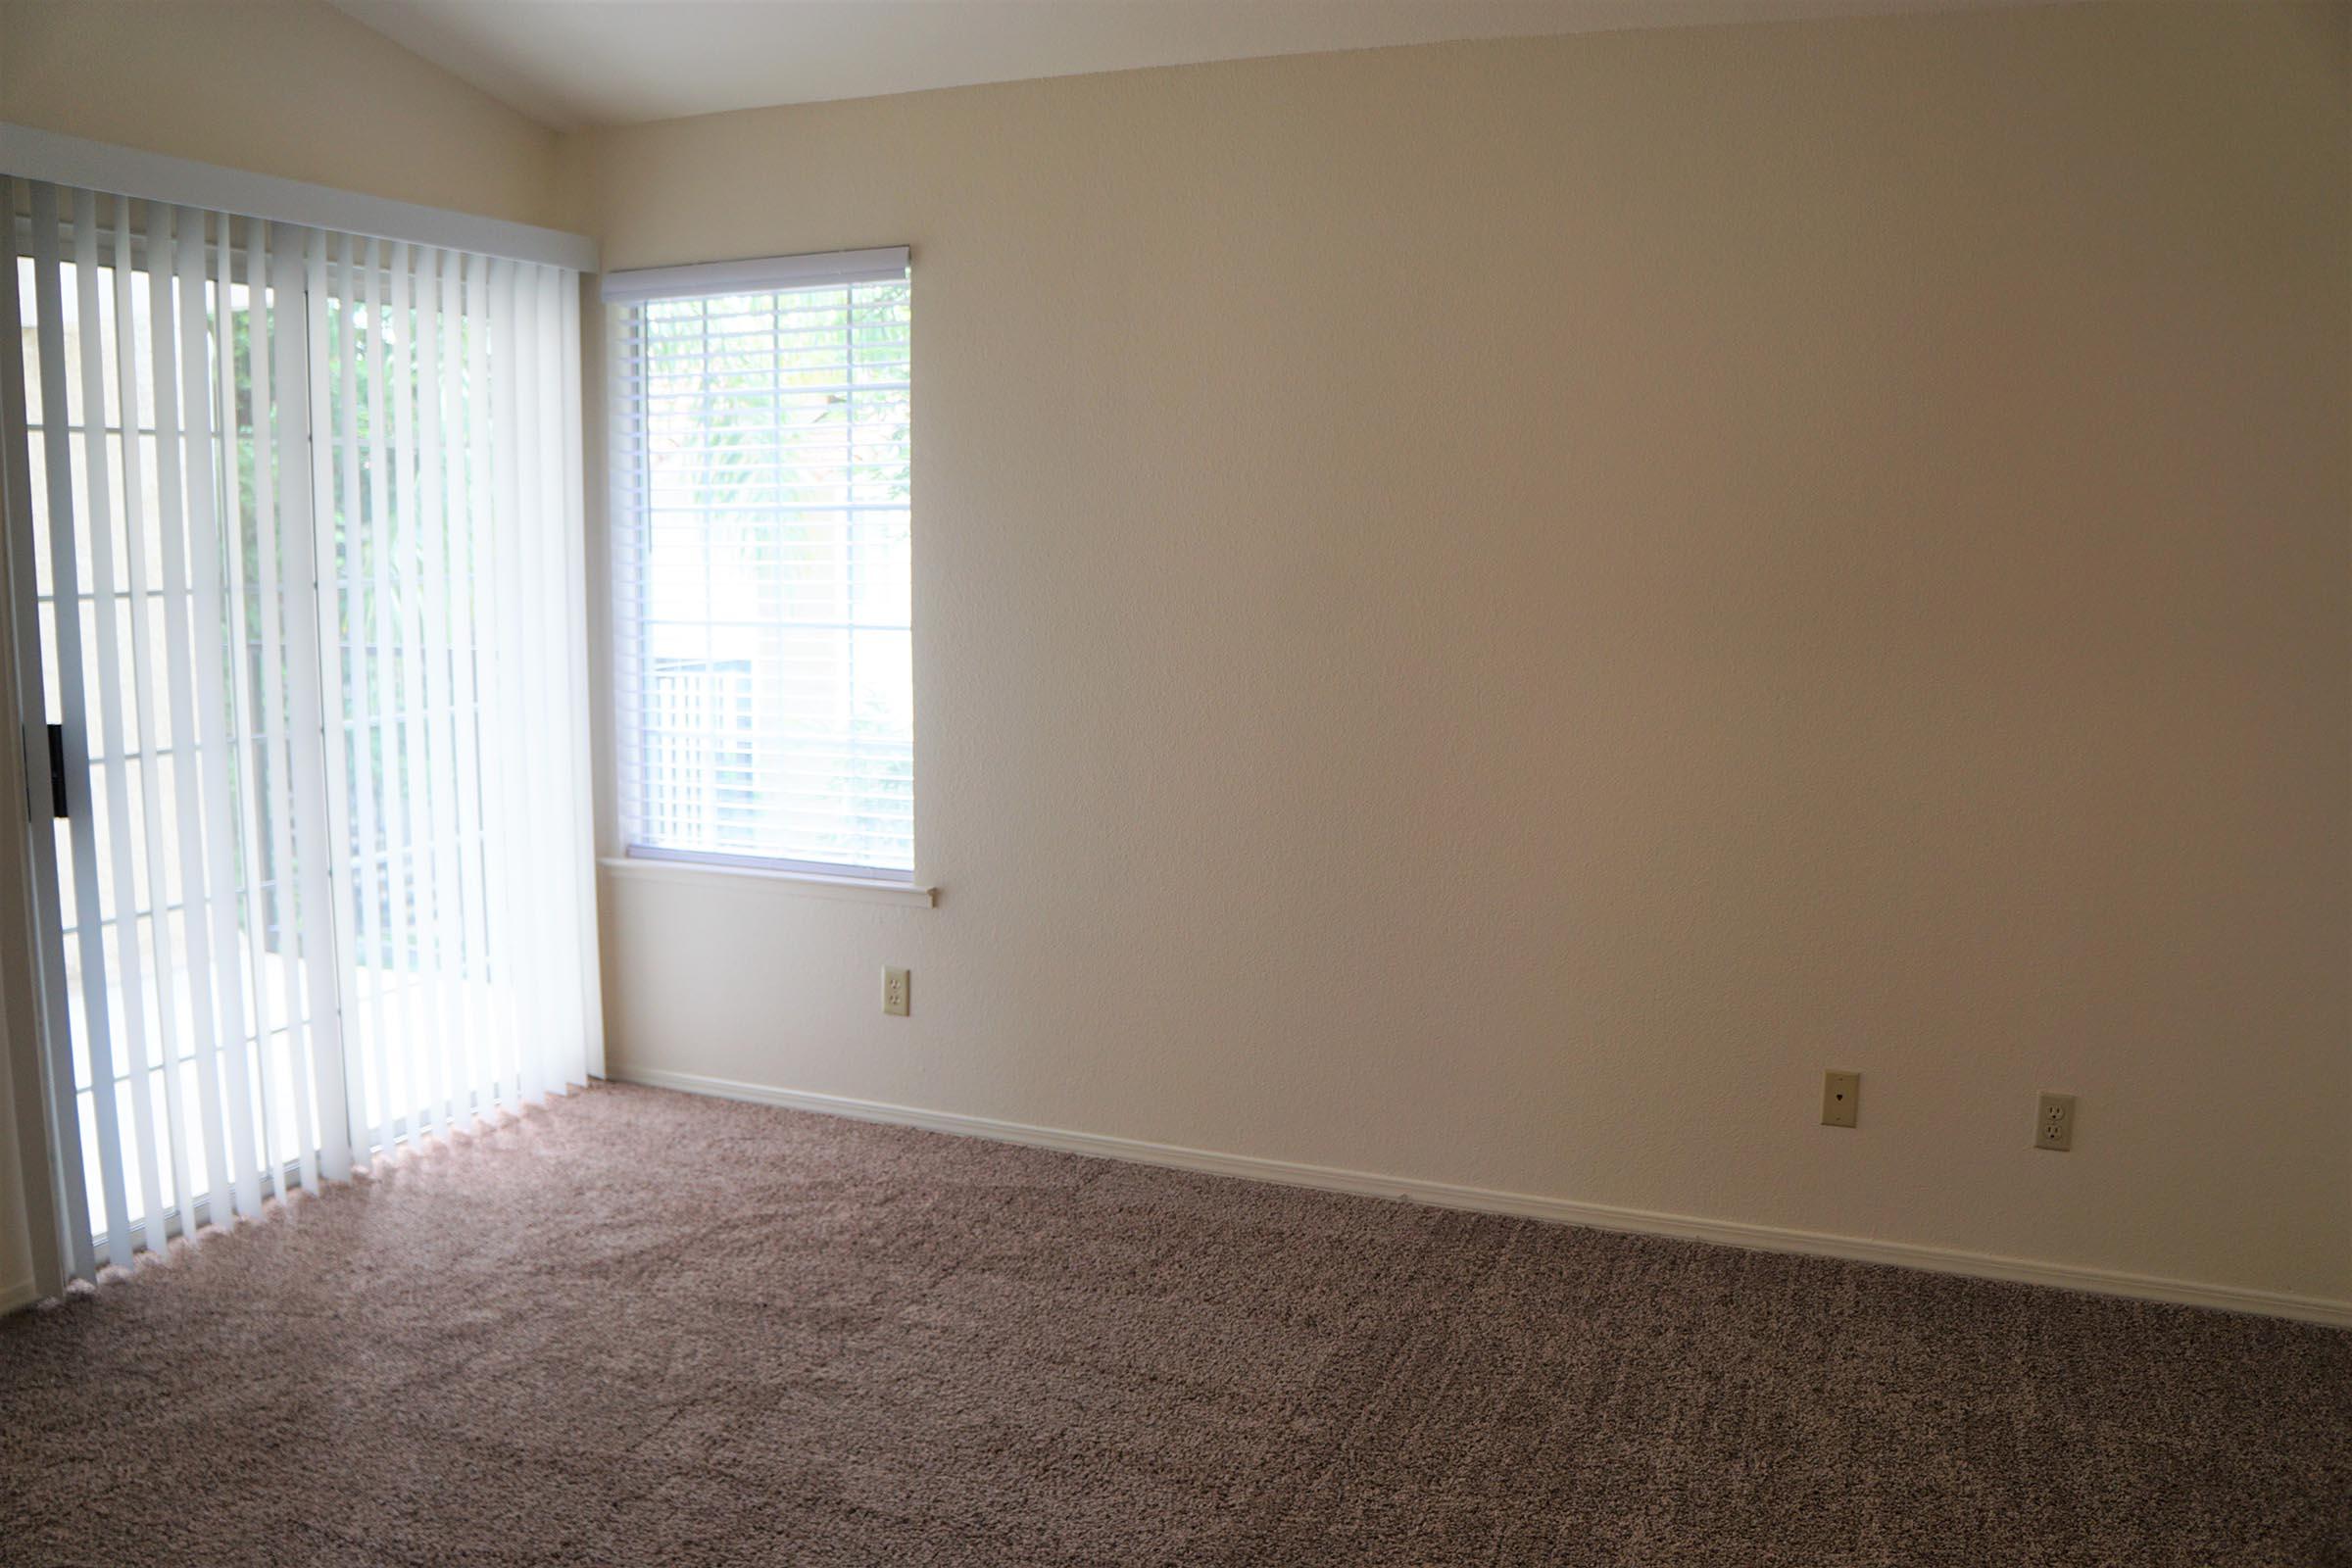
<point x="2054" y="1123"/>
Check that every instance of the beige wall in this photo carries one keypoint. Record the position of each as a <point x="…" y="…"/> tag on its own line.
<point x="1486" y="611"/>
<point x="286" y="87"/>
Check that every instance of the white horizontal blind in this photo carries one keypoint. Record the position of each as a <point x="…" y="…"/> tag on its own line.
<point x="297" y="562"/>
<point x="761" y="483"/>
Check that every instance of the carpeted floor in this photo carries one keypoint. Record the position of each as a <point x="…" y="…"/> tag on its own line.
<point x="646" y="1329"/>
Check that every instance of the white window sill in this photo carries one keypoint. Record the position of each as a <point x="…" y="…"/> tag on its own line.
<point x="806" y="884"/>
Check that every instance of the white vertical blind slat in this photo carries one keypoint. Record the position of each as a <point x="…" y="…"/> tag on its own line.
<point x="538" y="570"/>
<point x="64" y="521"/>
<point x="306" y="885"/>
<point x="393" y="588"/>
<point x="562" y="867"/>
<point x="588" y="975"/>
<point x="419" y="1069"/>
<point x="333" y="477"/>
<point x="178" y="316"/>
<point x="155" y="1142"/>
<point x="504" y="775"/>
<point x="375" y="687"/>
<point x="432" y="643"/>
<point x="128" y="1023"/>
<point x="466" y="449"/>
<point x="260" y="721"/>
<point x="219" y="550"/>
<point x="277" y="1046"/>
<point x="530" y="637"/>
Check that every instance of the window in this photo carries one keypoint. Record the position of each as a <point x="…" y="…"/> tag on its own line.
<point x="298" y="587"/>
<point x="760" y="472"/>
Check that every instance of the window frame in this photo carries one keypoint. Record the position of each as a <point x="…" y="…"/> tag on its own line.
<point x="626" y="293"/>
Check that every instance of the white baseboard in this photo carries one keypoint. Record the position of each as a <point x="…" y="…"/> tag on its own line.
<point x="24" y="1293"/>
<point x="1600" y="1217"/>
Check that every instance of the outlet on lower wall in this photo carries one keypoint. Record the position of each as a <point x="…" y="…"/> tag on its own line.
<point x="2054" y="1123"/>
<point x="897" y="993"/>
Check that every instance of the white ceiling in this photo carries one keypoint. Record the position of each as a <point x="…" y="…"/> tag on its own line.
<point x="572" y="63"/>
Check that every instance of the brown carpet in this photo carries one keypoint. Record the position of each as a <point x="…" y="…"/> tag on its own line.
<point x="646" y="1329"/>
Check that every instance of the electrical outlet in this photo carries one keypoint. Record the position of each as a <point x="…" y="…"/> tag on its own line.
<point x="2054" y="1128"/>
<point x="1841" y="1098"/>
<point x="896" y="993"/>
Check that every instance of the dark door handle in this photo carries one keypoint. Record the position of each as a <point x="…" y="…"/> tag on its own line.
<point x="57" y="772"/>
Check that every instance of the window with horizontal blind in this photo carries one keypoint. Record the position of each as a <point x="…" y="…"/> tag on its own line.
<point x="761" y="471"/>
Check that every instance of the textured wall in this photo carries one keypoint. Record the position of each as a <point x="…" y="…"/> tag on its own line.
<point x="1485" y="611"/>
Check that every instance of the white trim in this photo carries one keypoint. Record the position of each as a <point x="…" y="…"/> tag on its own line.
<point x="757" y="276"/>
<point x="824" y="870"/>
<point x="752" y="878"/>
<point x="22" y="1293"/>
<point x="1560" y="1210"/>
<point x="154" y="177"/>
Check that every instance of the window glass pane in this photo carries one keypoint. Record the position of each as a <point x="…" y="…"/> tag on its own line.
<point x="761" y="486"/>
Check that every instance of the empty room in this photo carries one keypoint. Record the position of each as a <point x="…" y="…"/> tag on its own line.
<point x="1175" y="782"/>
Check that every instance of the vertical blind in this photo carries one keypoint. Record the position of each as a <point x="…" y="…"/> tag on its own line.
<point x="763" y="649"/>
<point x="295" y="558"/>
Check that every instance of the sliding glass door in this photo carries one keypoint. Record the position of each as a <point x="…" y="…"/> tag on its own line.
<point x="295" y="566"/>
